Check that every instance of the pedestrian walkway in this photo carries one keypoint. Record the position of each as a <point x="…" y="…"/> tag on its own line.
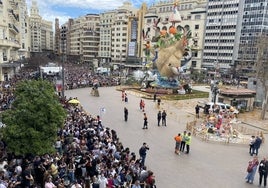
<point x="207" y="164"/>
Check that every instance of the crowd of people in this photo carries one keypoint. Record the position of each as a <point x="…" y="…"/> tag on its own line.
<point x="87" y="154"/>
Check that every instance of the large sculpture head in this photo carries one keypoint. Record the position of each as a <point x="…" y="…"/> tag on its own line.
<point x="170" y="55"/>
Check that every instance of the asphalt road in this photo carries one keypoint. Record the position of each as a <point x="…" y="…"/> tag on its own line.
<point x="208" y="165"/>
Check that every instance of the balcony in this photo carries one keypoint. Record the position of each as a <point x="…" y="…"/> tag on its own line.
<point x="13" y="43"/>
<point x="13" y="28"/>
<point x="13" y="15"/>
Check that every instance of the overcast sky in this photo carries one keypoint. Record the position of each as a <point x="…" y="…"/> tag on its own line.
<point x="64" y="9"/>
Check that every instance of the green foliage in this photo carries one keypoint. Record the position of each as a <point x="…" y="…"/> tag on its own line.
<point x="34" y="119"/>
<point x="193" y="95"/>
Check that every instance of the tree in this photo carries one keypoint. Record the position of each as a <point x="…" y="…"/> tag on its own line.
<point x="262" y="69"/>
<point x="34" y="119"/>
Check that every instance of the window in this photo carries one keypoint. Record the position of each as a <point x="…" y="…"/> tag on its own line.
<point x="196" y="26"/>
<point x="194" y="64"/>
<point x="197" y="17"/>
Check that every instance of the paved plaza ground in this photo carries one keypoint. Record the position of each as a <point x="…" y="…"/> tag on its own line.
<point x="208" y="165"/>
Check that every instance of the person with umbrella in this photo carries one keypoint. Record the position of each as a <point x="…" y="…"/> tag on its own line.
<point x="74" y="101"/>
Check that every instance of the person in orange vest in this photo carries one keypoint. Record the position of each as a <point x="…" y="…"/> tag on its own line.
<point x="178" y="140"/>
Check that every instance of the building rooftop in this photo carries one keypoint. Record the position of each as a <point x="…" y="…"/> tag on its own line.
<point x="236" y="91"/>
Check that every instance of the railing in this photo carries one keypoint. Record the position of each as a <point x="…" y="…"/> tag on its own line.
<point x="10" y="43"/>
<point x="239" y="134"/>
<point x="13" y="27"/>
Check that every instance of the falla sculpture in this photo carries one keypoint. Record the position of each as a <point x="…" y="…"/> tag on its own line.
<point x="170" y="48"/>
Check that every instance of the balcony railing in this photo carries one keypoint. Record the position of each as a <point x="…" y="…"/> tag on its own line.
<point x="13" y="28"/>
<point x="12" y="14"/>
<point x="10" y="43"/>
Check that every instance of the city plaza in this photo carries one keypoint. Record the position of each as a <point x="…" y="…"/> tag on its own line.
<point x="207" y="165"/>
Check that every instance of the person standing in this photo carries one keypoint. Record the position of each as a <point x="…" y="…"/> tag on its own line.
<point x="197" y="109"/>
<point x="27" y="177"/>
<point x="257" y="145"/>
<point x="188" y="142"/>
<point x="251" y="169"/>
<point x="123" y="95"/>
<point x="158" y="103"/>
<point x="125" y="113"/>
<point x="251" y="145"/>
<point x="183" y="141"/>
<point x="164" y="116"/>
<point x="154" y="97"/>
<point x="263" y="170"/>
<point x="142" y="105"/>
<point x="145" y="121"/>
<point x="178" y="140"/>
<point x="159" y="116"/>
<point x="141" y="101"/>
<point x="49" y="183"/>
<point x="126" y="98"/>
<point x="136" y="184"/>
<point x="143" y="153"/>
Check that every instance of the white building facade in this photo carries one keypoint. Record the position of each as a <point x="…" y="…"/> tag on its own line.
<point x="41" y="31"/>
<point x="9" y="38"/>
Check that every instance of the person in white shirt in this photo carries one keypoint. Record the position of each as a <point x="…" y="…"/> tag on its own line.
<point x="76" y="185"/>
<point x="102" y="181"/>
<point x="49" y="183"/>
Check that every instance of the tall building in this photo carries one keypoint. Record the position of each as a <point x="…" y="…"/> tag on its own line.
<point x="41" y="31"/>
<point x="222" y="32"/>
<point x="106" y="22"/>
<point x="57" y="37"/>
<point x="254" y="29"/>
<point x="90" y="38"/>
<point x="232" y="30"/>
<point x="82" y="38"/>
<point x="193" y="14"/>
<point x="25" y="34"/>
<point x="254" y="26"/>
<point x="9" y="38"/>
<point x="121" y="32"/>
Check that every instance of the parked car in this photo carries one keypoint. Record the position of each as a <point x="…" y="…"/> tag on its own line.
<point x="222" y="107"/>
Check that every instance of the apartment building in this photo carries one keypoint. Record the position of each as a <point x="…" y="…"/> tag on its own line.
<point x="9" y="38"/>
<point x="106" y="22"/>
<point x="25" y="34"/>
<point x="90" y="38"/>
<point x="222" y="32"/>
<point x="82" y="38"/>
<point x="121" y="32"/>
<point x="57" y="36"/>
<point x="193" y="15"/>
<point x="41" y="31"/>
